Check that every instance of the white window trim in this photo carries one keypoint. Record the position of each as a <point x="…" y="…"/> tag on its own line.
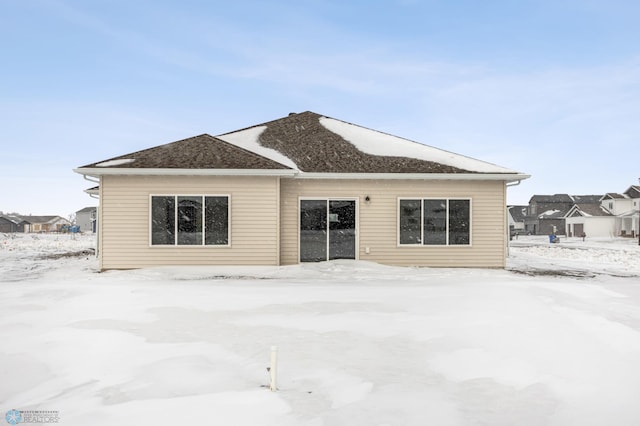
<point x="189" y="246"/>
<point x="421" y="244"/>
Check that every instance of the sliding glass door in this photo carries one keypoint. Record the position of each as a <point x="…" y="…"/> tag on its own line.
<point x="327" y="229"/>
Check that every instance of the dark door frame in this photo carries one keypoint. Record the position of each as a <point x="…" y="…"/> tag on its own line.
<point x="328" y="200"/>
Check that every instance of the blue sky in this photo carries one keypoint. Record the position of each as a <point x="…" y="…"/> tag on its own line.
<point x="548" y="88"/>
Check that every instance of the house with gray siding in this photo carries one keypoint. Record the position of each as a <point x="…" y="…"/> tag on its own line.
<point x="547" y="213"/>
<point x="86" y="219"/>
<point x="11" y="223"/>
<point x="517" y="216"/>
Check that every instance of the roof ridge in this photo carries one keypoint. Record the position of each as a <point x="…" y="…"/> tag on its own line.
<point x="307" y="142"/>
<point x="266" y="123"/>
<point x="145" y="150"/>
<point x="203" y="140"/>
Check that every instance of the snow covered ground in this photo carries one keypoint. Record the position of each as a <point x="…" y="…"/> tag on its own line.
<point x="553" y="340"/>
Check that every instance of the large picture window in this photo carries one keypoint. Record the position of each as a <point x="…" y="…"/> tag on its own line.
<point x="192" y="220"/>
<point x="434" y="221"/>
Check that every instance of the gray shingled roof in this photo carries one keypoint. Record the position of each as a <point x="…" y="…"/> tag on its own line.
<point x="15" y="219"/>
<point x="566" y="198"/>
<point x="198" y="152"/>
<point x="633" y="191"/>
<point x="299" y="142"/>
<point x="40" y="219"/>
<point x="87" y="210"/>
<point x="613" y="195"/>
<point x="587" y="199"/>
<point x="592" y="210"/>
<point x="557" y="198"/>
<point x="518" y="213"/>
<point x="315" y="149"/>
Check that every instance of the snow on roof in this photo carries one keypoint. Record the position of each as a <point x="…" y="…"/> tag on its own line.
<point x="518" y="213"/>
<point x="10" y="218"/>
<point x="118" y="162"/>
<point x="308" y="143"/>
<point x="377" y="143"/>
<point x="249" y="140"/>
<point x="548" y="213"/>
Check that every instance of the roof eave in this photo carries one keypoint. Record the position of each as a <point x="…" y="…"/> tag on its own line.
<point x="572" y="210"/>
<point x="99" y="171"/>
<point x="507" y="177"/>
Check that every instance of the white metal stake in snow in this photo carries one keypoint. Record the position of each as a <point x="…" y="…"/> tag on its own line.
<point x="273" y="369"/>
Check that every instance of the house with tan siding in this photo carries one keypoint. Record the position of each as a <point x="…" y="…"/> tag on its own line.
<point x="302" y="188"/>
<point x="37" y="224"/>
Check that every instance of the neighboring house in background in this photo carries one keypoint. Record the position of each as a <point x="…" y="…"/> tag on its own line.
<point x="86" y="219"/>
<point x="302" y="188"/>
<point x="592" y="220"/>
<point x="516" y="217"/>
<point x="44" y="223"/>
<point x="625" y="207"/>
<point x="10" y="223"/>
<point x="609" y="215"/>
<point x="547" y="213"/>
<point x="616" y="203"/>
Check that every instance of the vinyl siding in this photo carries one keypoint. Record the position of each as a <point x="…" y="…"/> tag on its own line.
<point x="263" y="207"/>
<point x="378" y="220"/>
<point x="124" y="215"/>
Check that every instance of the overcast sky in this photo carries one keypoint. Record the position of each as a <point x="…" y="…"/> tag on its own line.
<point x="550" y="88"/>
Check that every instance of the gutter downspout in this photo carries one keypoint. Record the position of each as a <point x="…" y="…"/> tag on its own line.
<point x="506" y="216"/>
<point x="90" y="180"/>
<point x="95" y="197"/>
<point x="98" y="216"/>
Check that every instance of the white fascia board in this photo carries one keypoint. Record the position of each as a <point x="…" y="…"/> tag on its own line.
<point x="573" y="209"/>
<point x="99" y="171"/>
<point x="508" y="177"/>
